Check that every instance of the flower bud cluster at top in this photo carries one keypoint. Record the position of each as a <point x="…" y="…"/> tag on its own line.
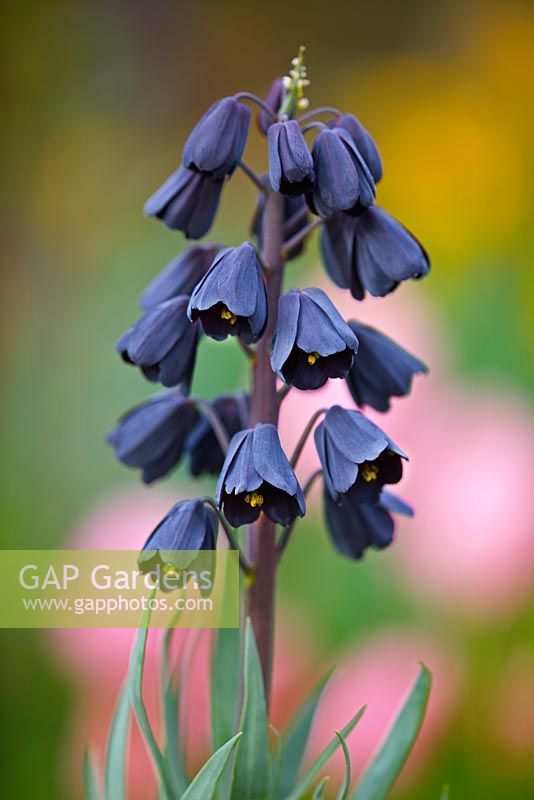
<point x="215" y="291"/>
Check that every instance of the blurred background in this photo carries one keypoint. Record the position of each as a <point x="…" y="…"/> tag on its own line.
<point x="98" y="99"/>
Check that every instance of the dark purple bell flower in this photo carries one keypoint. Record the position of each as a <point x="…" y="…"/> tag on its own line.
<point x="231" y="299"/>
<point x="216" y="143"/>
<point x="295" y="219"/>
<point x="187" y="202"/>
<point x="179" y="276"/>
<point x="151" y="436"/>
<point x="382" y="370"/>
<point x="190" y="525"/>
<point x="371" y="253"/>
<point x="354" y="527"/>
<point x="290" y="162"/>
<point x="342" y="178"/>
<point x="356" y="455"/>
<point x="312" y="341"/>
<point x="273" y="99"/>
<point x="256" y="476"/>
<point x="363" y="141"/>
<point x="202" y="445"/>
<point x="163" y="343"/>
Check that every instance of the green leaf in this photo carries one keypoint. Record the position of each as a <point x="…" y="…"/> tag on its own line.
<point x="204" y="784"/>
<point x="252" y="764"/>
<point x="225" y="685"/>
<point x="276" y="763"/>
<point x="445" y="792"/>
<point x="171" y="713"/>
<point x="305" y="782"/>
<point x="319" y="789"/>
<point x="296" y="738"/>
<point x="115" y="774"/>
<point x="135" y="681"/>
<point x="89" y="778"/>
<point x="344" y="789"/>
<point x="385" y="768"/>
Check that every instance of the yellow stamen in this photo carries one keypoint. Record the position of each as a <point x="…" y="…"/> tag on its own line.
<point x="312" y="358"/>
<point x="226" y="314"/>
<point x="254" y="499"/>
<point x="369" y="472"/>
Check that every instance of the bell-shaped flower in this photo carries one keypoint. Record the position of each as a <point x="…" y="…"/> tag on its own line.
<point x="216" y="143"/>
<point x="151" y="436"/>
<point x="356" y="455"/>
<point x="363" y="141"/>
<point x="188" y="201"/>
<point x="371" y="253"/>
<point x="163" y="344"/>
<point x="290" y="162"/>
<point x="354" y="527"/>
<point x="382" y="370"/>
<point x="312" y="341"/>
<point x="190" y="526"/>
<point x="342" y="178"/>
<point x="205" y="454"/>
<point x="273" y="100"/>
<point x="231" y="299"/>
<point x="295" y="219"/>
<point x="257" y="476"/>
<point x="179" y="276"/>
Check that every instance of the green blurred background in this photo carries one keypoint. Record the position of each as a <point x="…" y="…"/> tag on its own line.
<point x="98" y="98"/>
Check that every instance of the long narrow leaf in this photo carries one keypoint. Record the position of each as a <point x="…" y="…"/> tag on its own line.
<point x="344" y="789"/>
<point x="385" y="768"/>
<point x="296" y="738"/>
<point x="171" y="712"/>
<point x="225" y="685"/>
<point x="319" y="789"/>
<point x="277" y="761"/>
<point x="252" y="763"/>
<point x="204" y="785"/>
<point x="115" y="773"/>
<point x="89" y="779"/>
<point x="135" y="681"/>
<point x="305" y="782"/>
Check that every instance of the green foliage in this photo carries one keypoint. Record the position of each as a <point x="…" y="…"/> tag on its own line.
<point x="115" y="785"/>
<point x="253" y="764"/>
<point x="244" y="765"/>
<point x="383" y="771"/>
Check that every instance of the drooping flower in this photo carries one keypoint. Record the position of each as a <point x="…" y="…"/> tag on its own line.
<point x="382" y="370"/>
<point x="295" y="219"/>
<point x="163" y="344"/>
<point x="216" y="143"/>
<point x="231" y="299"/>
<point x="257" y="476"/>
<point x="290" y="162"/>
<point x="202" y="445"/>
<point x="356" y="455"/>
<point x="273" y="100"/>
<point x="312" y="341"/>
<point x="188" y="201"/>
<point x="179" y="276"/>
<point x="190" y="525"/>
<point x="342" y="178"/>
<point x="152" y="435"/>
<point x="372" y="252"/>
<point x="363" y="141"/>
<point x="355" y="526"/>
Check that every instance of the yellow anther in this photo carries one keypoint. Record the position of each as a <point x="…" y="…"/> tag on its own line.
<point x="312" y="358"/>
<point x="369" y="472"/>
<point x="226" y="314"/>
<point x="254" y="499"/>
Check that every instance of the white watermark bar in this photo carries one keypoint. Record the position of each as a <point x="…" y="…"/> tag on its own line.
<point x="111" y="589"/>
